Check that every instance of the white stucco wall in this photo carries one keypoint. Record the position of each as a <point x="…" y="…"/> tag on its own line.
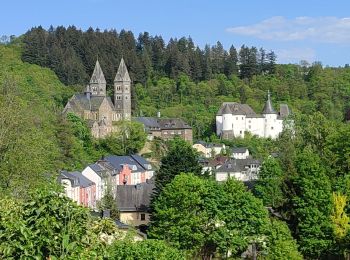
<point x="266" y="126"/>
<point x="71" y="192"/>
<point x="218" y="125"/>
<point x="93" y="176"/>
<point x="238" y="123"/>
<point x="241" y="155"/>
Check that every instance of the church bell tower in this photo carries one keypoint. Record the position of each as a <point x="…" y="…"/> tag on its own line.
<point x="122" y="91"/>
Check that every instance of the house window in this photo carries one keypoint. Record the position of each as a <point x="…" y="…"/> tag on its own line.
<point x="242" y="118"/>
<point x="126" y="97"/>
<point x="240" y="132"/>
<point x="119" y="97"/>
<point x="143" y="216"/>
<point x="249" y="121"/>
<point x="236" y="117"/>
<point x="271" y="127"/>
<point x="250" y="127"/>
<point x="118" y="88"/>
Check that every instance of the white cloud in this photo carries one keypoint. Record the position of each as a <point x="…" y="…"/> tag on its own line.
<point x="294" y="55"/>
<point x="279" y="28"/>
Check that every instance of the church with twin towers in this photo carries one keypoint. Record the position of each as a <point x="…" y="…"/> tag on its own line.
<point x="97" y="108"/>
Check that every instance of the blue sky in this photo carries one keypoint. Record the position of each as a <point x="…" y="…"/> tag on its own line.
<point x="309" y="30"/>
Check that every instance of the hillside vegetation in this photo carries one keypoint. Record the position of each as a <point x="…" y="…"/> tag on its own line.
<point x="31" y="99"/>
<point x="182" y="80"/>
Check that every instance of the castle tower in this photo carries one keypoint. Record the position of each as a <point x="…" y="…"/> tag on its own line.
<point x="98" y="81"/>
<point x="122" y="93"/>
<point x="270" y="115"/>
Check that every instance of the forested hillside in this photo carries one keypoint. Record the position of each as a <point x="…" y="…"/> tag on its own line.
<point x="34" y="136"/>
<point x="30" y="100"/>
<point x="182" y="80"/>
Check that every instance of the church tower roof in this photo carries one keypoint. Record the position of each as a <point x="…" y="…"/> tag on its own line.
<point x="122" y="73"/>
<point x="268" y="108"/>
<point x="97" y="75"/>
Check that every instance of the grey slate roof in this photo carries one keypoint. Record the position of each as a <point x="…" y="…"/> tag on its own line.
<point x="97" y="169"/>
<point x="284" y="110"/>
<point x="122" y="73"/>
<point x="117" y="162"/>
<point x="135" y="197"/>
<point x="239" y="149"/>
<point x="210" y="145"/>
<point x="226" y="110"/>
<point x="76" y="178"/>
<point x="236" y="109"/>
<point x="155" y="123"/>
<point x="142" y="161"/>
<point x="237" y="165"/>
<point x="97" y="75"/>
<point x="268" y="108"/>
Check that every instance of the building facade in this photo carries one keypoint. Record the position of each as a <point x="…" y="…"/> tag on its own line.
<point x="96" y="107"/>
<point x="166" y="128"/>
<point x="118" y="171"/>
<point x="78" y="188"/>
<point x="208" y="149"/>
<point x="134" y="203"/>
<point x="240" y="153"/>
<point x="241" y="169"/>
<point x="234" y="119"/>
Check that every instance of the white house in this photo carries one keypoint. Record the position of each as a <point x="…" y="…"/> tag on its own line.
<point x="98" y="175"/>
<point x="233" y="119"/>
<point x="70" y="185"/>
<point x="240" y="169"/>
<point x="240" y="153"/>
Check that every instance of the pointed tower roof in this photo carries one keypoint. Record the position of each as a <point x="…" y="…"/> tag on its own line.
<point x="122" y="73"/>
<point x="97" y="75"/>
<point x="268" y="109"/>
<point x="226" y="110"/>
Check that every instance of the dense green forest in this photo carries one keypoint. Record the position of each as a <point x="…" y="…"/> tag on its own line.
<point x="305" y="187"/>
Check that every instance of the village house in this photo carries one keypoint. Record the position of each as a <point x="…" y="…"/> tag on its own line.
<point x="234" y="119"/>
<point x="209" y="165"/>
<point x="240" y="153"/>
<point x="241" y="169"/>
<point x="97" y="108"/>
<point x="166" y="128"/>
<point x="118" y="170"/>
<point x="209" y="149"/>
<point x="133" y="203"/>
<point x="78" y="188"/>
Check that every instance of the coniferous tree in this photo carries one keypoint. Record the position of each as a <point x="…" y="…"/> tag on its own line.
<point x="231" y="62"/>
<point x="181" y="157"/>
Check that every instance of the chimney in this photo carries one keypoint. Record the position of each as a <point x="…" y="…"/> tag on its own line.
<point x="158" y="114"/>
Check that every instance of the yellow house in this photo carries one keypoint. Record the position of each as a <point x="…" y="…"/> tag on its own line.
<point x="133" y="202"/>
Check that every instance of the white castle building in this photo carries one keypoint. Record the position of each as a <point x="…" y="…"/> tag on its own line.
<point x="233" y="119"/>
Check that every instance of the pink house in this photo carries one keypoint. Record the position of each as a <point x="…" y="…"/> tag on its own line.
<point x="78" y="188"/>
<point x="126" y="170"/>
